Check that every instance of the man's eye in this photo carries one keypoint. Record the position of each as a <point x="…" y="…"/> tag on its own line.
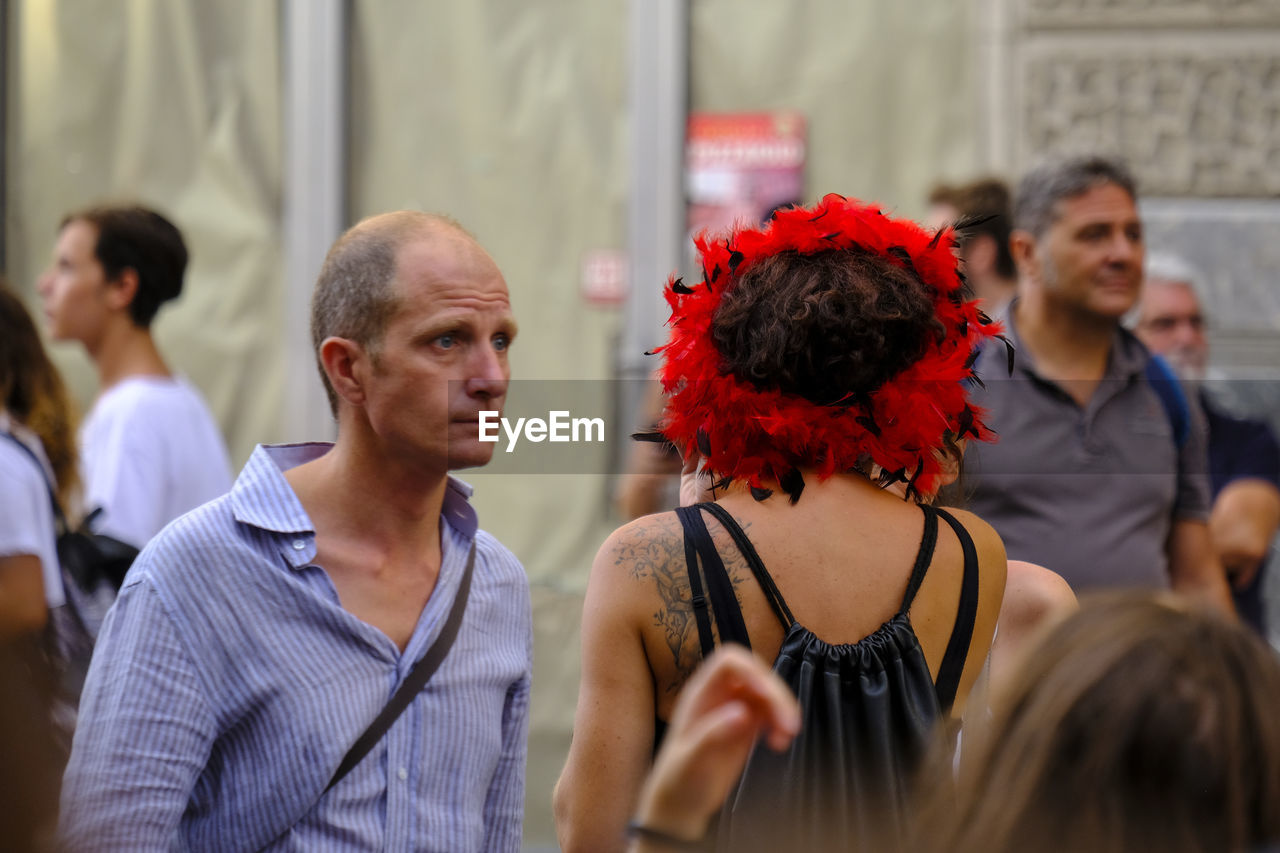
<point x="501" y="342"/>
<point x="446" y="341"/>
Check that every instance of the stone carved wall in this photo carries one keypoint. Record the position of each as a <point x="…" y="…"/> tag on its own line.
<point x="1187" y="91"/>
<point x="1151" y="13"/>
<point x="1189" y="121"/>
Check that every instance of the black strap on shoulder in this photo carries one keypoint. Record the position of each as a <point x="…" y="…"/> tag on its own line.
<point x="748" y="550"/>
<point x="928" y="541"/>
<point x="699" y="602"/>
<point x="724" y="602"/>
<point x="59" y="519"/>
<point x="414" y="681"/>
<point x="948" y="680"/>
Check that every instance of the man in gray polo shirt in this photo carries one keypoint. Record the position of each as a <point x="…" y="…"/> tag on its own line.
<point x="1093" y="475"/>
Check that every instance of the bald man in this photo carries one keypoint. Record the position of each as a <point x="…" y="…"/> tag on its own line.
<point x="257" y="639"/>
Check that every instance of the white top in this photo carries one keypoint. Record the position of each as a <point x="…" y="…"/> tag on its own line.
<point x="149" y="452"/>
<point x="26" y="515"/>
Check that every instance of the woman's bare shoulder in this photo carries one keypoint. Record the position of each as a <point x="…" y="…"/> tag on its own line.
<point x="643" y="546"/>
<point x="985" y="538"/>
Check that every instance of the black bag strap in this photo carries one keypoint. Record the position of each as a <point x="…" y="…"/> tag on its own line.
<point x="962" y="634"/>
<point x="59" y="518"/>
<point x="928" y="542"/>
<point x="699" y="601"/>
<point x="776" y="601"/>
<point x="108" y="558"/>
<point x="724" y="602"/>
<point x="414" y="682"/>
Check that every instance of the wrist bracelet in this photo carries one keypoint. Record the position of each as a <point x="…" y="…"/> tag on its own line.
<point x="640" y="832"/>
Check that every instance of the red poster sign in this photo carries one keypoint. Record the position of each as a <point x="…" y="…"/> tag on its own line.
<point x="740" y="166"/>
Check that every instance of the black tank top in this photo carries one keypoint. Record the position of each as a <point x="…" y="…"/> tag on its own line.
<point x="868" y="708"/>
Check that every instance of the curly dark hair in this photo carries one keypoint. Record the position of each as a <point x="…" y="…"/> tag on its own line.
<point x="825" y="325"/>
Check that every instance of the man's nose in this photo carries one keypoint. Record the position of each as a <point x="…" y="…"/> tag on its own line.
<point x="489" y="374"/>
<point x="44" y="284"/>
<point x="1125" y="249"/>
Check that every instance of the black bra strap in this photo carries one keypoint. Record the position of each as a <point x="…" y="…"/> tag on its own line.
<point x="748" y="550"/>
<point x="699" y="601"/>
<point x="924" y="557"/>
<point x="962" y="635"/>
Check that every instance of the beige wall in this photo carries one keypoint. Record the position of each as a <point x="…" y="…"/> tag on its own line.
<point x="174" y="103"/>
<point x="888" y="88"/>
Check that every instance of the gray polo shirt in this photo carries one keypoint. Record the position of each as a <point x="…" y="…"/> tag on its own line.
<point x="1090" y="492"/>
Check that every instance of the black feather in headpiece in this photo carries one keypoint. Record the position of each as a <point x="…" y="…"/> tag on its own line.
<point x="704" y="442"/>
<point x="792" y="483"/>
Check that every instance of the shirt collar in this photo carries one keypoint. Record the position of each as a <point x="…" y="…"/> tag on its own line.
<point x="261" y="497"/>
<point x="1128" y="356"/>
<point x="457" y="509"/>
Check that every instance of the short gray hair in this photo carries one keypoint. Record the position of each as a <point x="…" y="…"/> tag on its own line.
<point x="1035" y="205"/>
<point x="1167" y="269"/>
<point x="1174" y="269"/>
<point x="354" y="297"/>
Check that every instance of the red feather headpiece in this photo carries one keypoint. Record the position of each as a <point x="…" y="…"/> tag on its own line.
<point x="747" y="433"/>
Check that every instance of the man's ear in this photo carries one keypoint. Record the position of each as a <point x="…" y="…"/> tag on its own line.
<point x="1026" y="253"/>
<point x="122" y="289"/>
<point x="344" y="362"/>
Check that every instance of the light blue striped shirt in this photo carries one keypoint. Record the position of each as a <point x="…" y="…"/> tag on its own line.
<point x="228" y="683"/>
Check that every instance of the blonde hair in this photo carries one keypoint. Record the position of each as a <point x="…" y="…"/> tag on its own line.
<point x="32" y="392"/>
<point x="1139" y="723"/>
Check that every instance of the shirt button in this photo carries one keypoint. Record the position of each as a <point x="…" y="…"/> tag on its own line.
<point x="299" y="544"/>
<point x="403" y="774"/>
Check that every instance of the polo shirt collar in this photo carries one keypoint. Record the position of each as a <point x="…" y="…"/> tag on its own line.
<point x="1128" y="357"/>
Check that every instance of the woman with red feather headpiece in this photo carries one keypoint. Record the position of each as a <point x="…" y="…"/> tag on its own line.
<point x="821" y="358"/>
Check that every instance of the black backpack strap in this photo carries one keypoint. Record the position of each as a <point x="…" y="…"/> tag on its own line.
<point x="59" y="519"/>
<point x="724" y="602"/>
<point x="928" y="541"/>
<point x="699" y="601"/>
<point x="414" y="681"/>
<point x="948" y="680"/>
<point x="748" y="550"/>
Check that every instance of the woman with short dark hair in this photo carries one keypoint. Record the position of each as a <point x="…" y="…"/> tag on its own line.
<point x="821" y="358"/>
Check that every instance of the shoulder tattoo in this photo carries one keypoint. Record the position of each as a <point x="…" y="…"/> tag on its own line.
<point x="657" y="555"/>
